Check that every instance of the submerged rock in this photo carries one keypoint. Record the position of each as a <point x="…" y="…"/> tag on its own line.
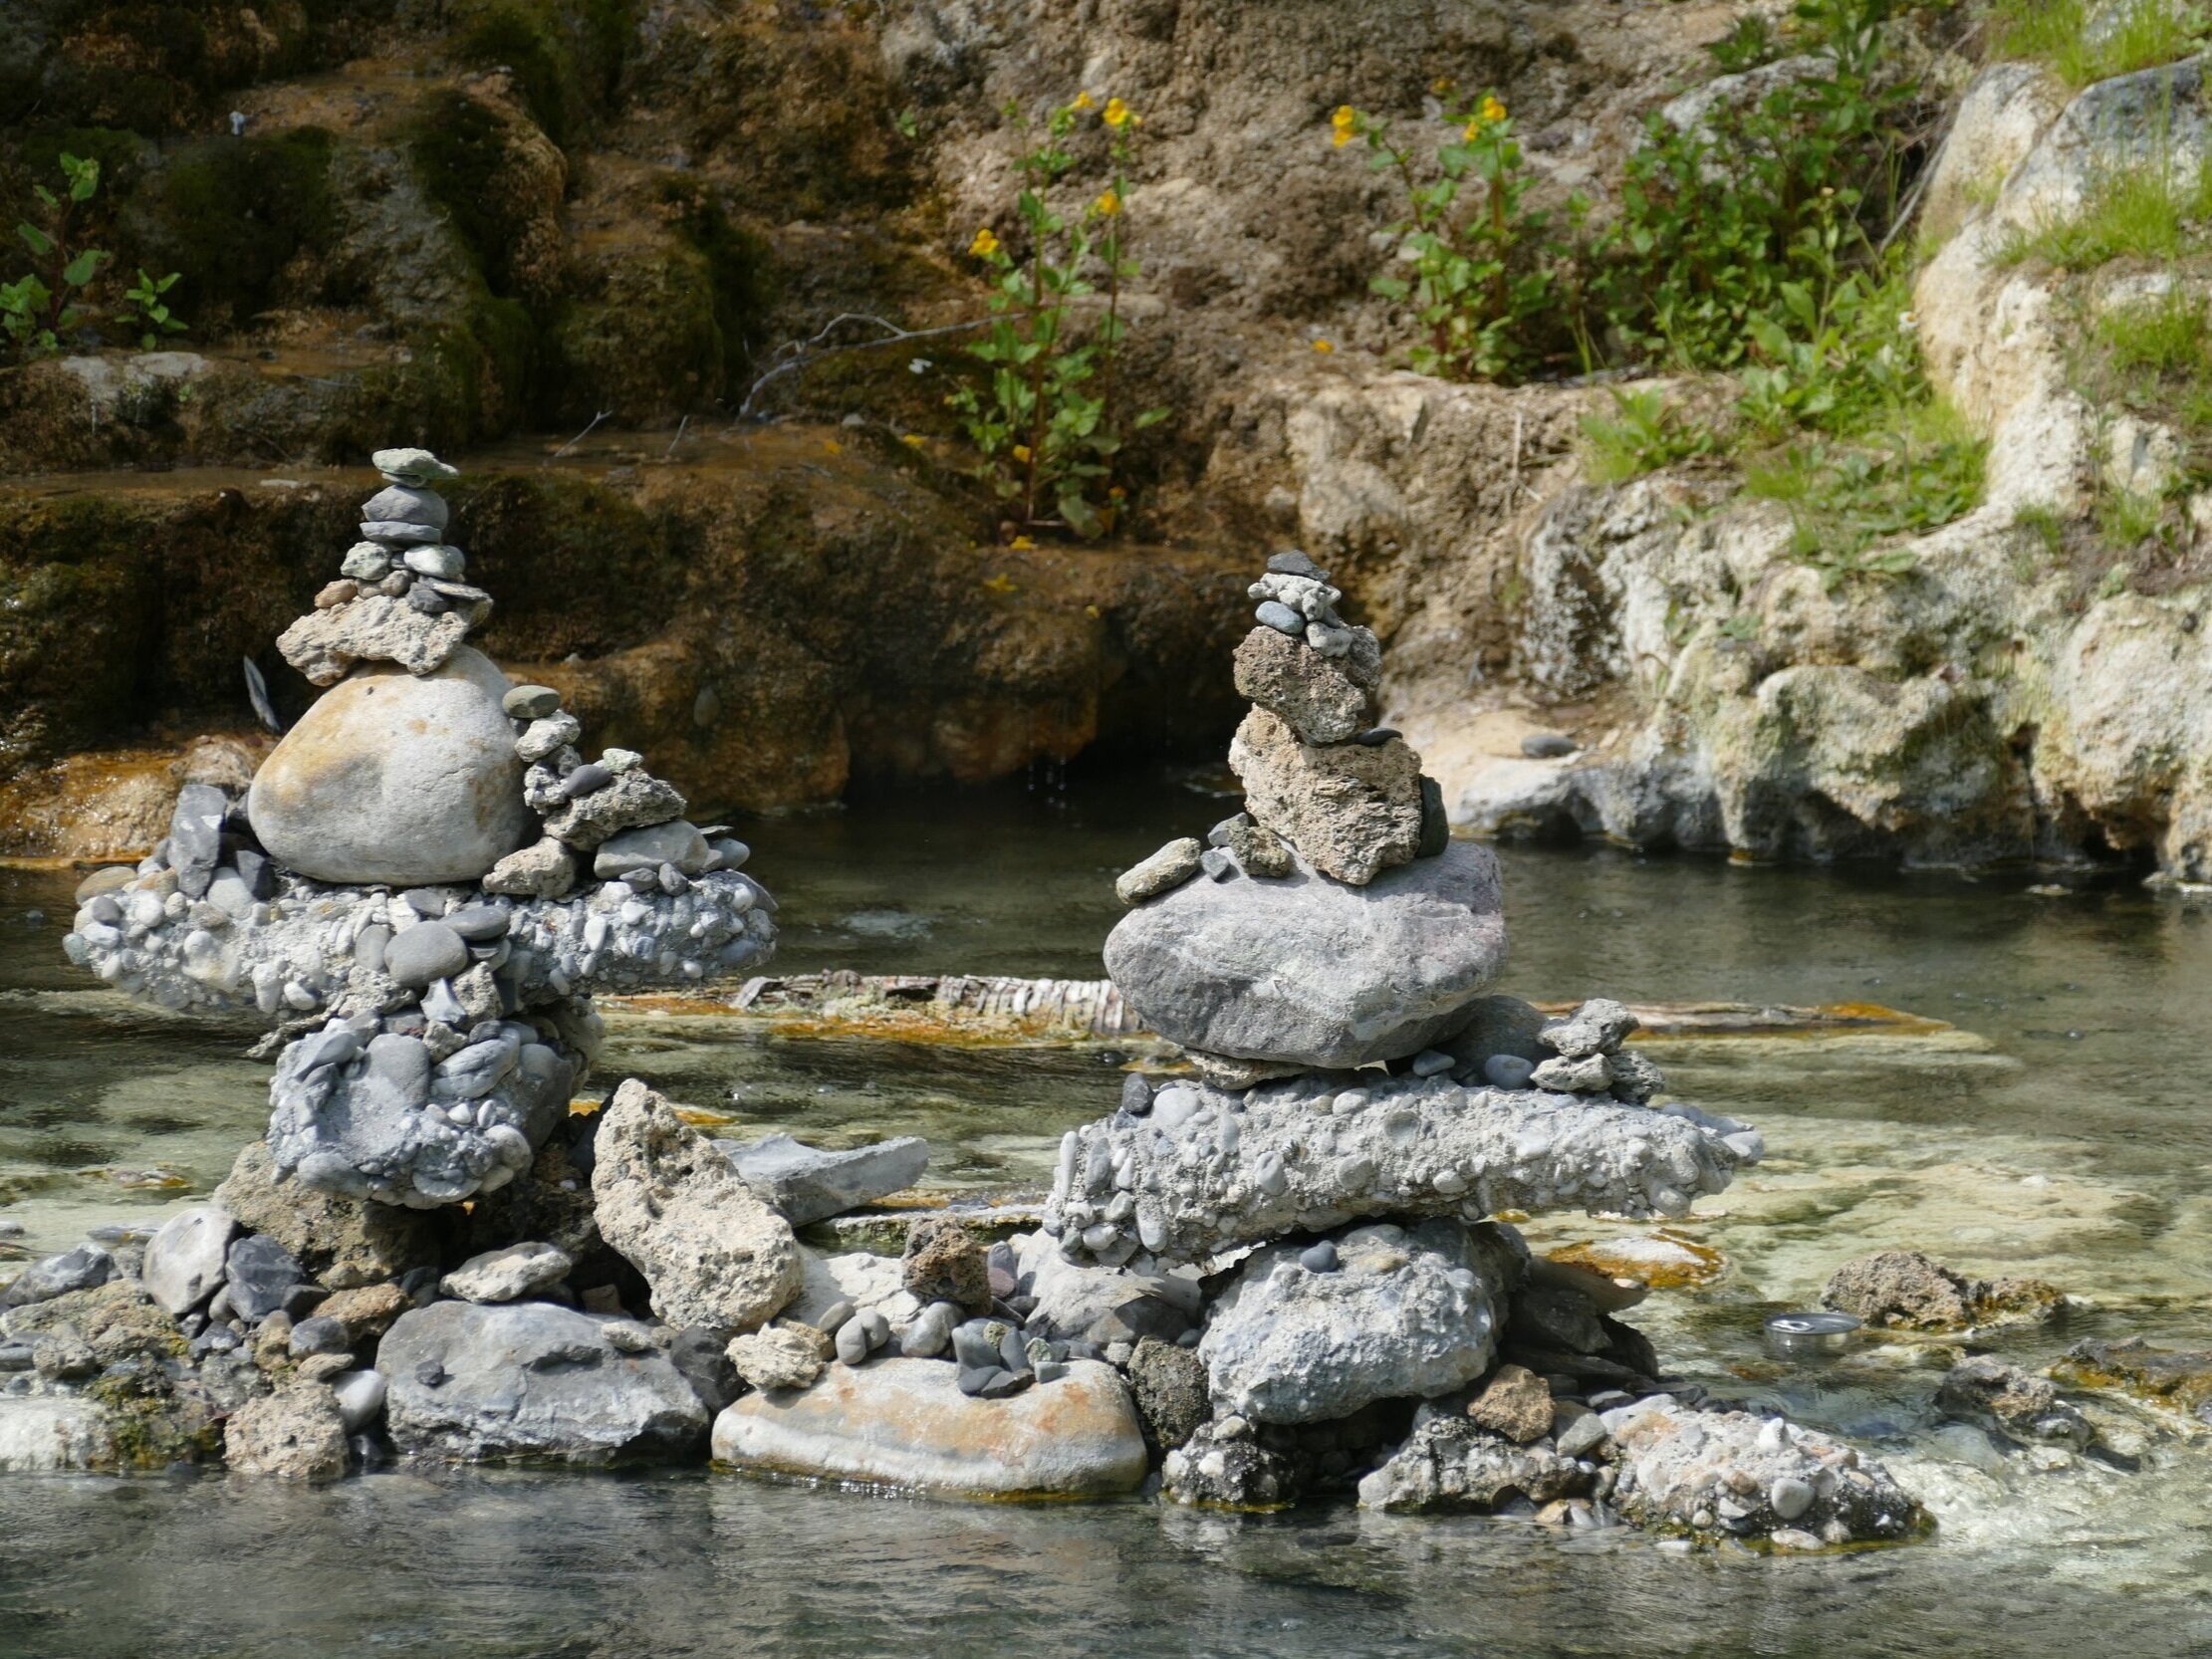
<point x="297" y="1433"/>
<point x="2179" y="1377"/>
<point x="529" y="1380"/>
<point x="1206" y="1171"/>
<point x="1985" y="1389"/>
<point x="905" y="1423"/>
<point x="395" y="778"/>
<point x="1904" y="1288"/>
<point x="1401" y="1313"/>
<point x="1309" y="971"/>
<point x="1732" y="1473"/>
<point x="676" y="1209"/>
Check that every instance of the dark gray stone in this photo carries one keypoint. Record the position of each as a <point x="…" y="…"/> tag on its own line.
<point x="1291" y="561"/>
<point x="479" y="924"/>
<point x="196" y="836"/>
<point x="588" y="779"/>
<point x="259" y="1275"/>
<point x="699" y="1353"/>
<point x="808" y="1184"/>
<point x="83" y="1269"/>
<point x="1548" y="746"/>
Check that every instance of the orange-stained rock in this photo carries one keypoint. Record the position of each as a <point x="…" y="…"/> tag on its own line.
<point x="905" y="1423"/>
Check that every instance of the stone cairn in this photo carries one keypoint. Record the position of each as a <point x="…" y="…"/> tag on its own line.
<point x="1279" y="1275"/>
<point x="421" y="885"/>
<point x="1361" y="1113"/>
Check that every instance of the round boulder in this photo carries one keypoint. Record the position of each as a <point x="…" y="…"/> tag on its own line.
<point x="395" y="778"/>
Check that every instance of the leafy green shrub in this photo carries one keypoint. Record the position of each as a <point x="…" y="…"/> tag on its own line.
<point x="1642" y="434"/>
<point x="49" y="306"/>
<point x="1042" y="421"/>
<point x="1481" y="272"/>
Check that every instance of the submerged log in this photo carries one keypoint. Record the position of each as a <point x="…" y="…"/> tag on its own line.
<point x="999" y="1007"/>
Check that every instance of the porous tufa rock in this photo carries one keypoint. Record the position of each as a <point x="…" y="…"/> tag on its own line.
<point x="297" y="1433"/>
<point x="326" y="645"/>
<point x="1451" y="1462"/>
<point x="1405" y="1312"/>
<point x="1316" y="697"/>
<point x="713" y="1253"/>
<point x="342" y="1242"/>
<point x="1351" y="809"/>
<point x="786" y="1355"/>
<point x="627" y="801"/>
<point x="1207" y="1170"/>
<point x="544" y="868"/>
<point x="1906" y="1290"/>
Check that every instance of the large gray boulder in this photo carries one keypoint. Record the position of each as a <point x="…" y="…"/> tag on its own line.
<point x="905" y="1423"/>
<point x="396" y="778"/>
<point x="1401" y="1313"/>
<point x="1207" y="1170"/>
<point x="1313" y="972"/>
<point x="677" y="1210"/>
<point x="810" y="1184"/>
<point x="530" y="1380"/>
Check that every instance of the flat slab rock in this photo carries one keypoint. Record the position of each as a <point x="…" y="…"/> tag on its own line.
<point x="1310" y="971"/>
<point x="533" y="1381"/>
<point x="324" y="645"/>
<point x="1207" y="1170"/>
<point x="810" y="1184"/>
<point x="320" y="948"/>
<point x="904" y="1423"/>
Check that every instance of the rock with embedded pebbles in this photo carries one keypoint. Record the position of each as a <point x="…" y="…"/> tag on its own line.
<point x="531" y="1380"/>
<point x="674" y="1206"/>
<point x="1349" y="810"/>
<point x="396" y="778"/>
<point x="1208" y="1170"/>
<point x="1451" y="1462"/>
<point x="1404" y="1313"/>
<point x="1309" y="971"/>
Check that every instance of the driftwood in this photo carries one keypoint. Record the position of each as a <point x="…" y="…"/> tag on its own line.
<point x="1077" y="1010"/>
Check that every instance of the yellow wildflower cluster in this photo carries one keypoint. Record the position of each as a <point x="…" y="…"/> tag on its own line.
<point x="1487" y="114"/>
<point x="1108" y="205"/>
<point x="1117" y="114"/>
<point x="1083" y="102"/>
<point x="984" y="245"/>
<point x="1345" y="124"/>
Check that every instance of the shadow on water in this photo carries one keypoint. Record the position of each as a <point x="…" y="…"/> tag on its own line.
<point x="2059" y="1131"/>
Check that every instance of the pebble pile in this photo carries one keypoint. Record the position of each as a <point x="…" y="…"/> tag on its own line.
<point x="380" y="894"/>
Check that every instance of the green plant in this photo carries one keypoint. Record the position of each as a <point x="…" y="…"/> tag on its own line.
<point x="2160" y="335"/>
<point x="149" y="311"/>
<point x="2044" y="524"/>
<point x="1747" y="45"/>
<point x="42" y="308"/>
<point x="1044" y="420"/>
<point x="1844" y="500"/>
<point x="2128" y="518"/>
<point x="1480" y="271"/>
<point x="1644" y="434"/>
<point x="2139" y="34"/>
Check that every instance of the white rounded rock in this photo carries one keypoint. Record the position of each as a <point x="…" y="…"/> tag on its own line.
<point x="396" y="778"/>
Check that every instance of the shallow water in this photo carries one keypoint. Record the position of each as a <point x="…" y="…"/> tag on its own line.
<point x="2060" y="1130"/>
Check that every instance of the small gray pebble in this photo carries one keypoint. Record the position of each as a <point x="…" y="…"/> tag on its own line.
<point x="1318" y="1258"/>
<point x="1276" y="614"/>
<point x="1548" y="746"/>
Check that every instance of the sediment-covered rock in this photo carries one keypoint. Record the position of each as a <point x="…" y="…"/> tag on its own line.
<point x="1206" y="1170"/>
<point x="905" y="1423"/>
<point x="1450" y="1462"/>
<point x="1310" y="971"/>
<point x="1310" y="1334"/>
<point x="1732" y="1473"/>
<point x="530" y="1380"/>
<point x="713" y="1252"/>
<point x="1984" y="1389"/>
<point x="1906" y="1290"/>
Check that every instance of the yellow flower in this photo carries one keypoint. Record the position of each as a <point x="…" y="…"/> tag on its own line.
<point x="1323" y="346"/>
<point x="1021" y="452"/>
<point x="913" y="441"/>
<point x="1488" y="111"/>
<point x="1107" y="205"/>
<point x="1117" y="114"/>
<point x="1083" y="102"/>
<point x="1001" y="584"/>
<point x="831" y="446"/>
<point x="1021" y="544"/>
<point x="1442" y="86"/>
<point x="1345" y="122"/>
<point x="984" y="245"/>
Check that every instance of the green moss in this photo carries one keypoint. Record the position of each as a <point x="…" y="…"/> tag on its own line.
<point x="458" y="146"/>
<point x="232" y="215"/>
<point x="739" y="265"/>
<point x="150" y="1427"/>
<point x="643" y="345"/>
<point x="566" y="55"/>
